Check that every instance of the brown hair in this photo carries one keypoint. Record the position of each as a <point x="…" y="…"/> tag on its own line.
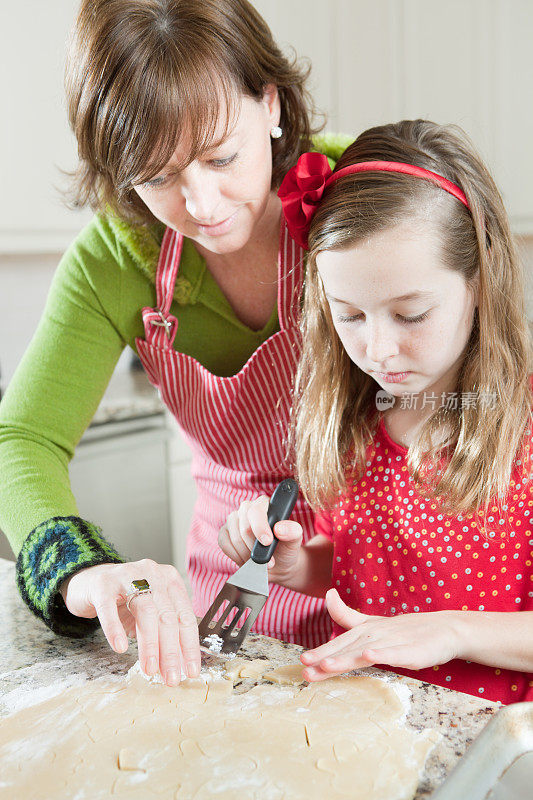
<point x="140" y="72"/>
<point x="334" y="413"/>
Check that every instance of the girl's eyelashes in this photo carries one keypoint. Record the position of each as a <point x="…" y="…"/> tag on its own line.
<point x="403" y="320"/>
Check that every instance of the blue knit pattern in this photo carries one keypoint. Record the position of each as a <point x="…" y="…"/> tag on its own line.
<point x="53" y="551"/>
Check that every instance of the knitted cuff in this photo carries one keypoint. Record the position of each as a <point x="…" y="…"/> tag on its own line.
<point x="53" y="551"/>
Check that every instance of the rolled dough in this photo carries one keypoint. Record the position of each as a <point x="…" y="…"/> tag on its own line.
<point x="340" y="738"/>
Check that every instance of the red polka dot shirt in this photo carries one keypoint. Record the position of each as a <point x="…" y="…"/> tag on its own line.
<point x="395" y="553"/>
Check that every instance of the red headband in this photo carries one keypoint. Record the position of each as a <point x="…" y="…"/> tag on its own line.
<point x="303" y="186"/>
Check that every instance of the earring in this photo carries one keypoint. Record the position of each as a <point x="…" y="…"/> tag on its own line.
<point x="276" y="132"/>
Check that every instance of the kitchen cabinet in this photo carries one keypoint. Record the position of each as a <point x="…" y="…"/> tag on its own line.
<point x="466" y="62"/>
<point x="35" y="139"/>
<point x="119" y="479"/>
<point x="132" y="471"/>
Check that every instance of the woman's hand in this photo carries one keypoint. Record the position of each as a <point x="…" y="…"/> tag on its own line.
<point x="163" y="622"/>
<point x="411" y="641"/>
<point x="237" y="538"/>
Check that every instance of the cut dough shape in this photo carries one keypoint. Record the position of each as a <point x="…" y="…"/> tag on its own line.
<point x="288" y="675"/>
<point x="218" y="689"/>
<point x="339" y="738"/>
<point x="247" y="668"/>
<point x="128" y="759"/>
<point x="233" y="669"/>
<point x="255" y="668"/>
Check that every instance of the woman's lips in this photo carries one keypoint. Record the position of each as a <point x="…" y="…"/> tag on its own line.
<point x="392" y="377"/>
<point x="219" y="228"/>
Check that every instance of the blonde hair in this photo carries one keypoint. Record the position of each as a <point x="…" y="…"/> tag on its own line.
<point x="335" y="417"/>
<point x="141" y="72"/>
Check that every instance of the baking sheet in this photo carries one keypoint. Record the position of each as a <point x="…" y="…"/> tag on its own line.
<point x="499" y="764"/>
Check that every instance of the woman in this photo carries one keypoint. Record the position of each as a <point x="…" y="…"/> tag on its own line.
<point x="187" y="116"/>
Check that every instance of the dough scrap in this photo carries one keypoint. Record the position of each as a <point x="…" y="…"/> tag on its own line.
<point x="255" y="668"/>
<point x="247" y="668"/>
<point x="146" y="741"/>
<point x="128" y="759"/>
<point x="289" y="674"/>
<point x="233" y="669"/>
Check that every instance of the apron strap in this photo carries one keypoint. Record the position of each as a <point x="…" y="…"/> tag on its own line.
<point x="160" y="326"/>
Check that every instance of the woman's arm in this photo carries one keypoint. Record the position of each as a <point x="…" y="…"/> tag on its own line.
<point x="67" y="573"/>
<point x="54" y="393"/>
<point x="48" y="404"/>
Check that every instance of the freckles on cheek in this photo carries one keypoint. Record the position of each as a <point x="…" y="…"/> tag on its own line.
<point x="434" y="335"/>
<point x="353" y="348"/>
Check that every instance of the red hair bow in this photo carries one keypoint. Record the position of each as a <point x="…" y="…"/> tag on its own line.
<point x="303" y="186"/>
<point x="301" y="191"/>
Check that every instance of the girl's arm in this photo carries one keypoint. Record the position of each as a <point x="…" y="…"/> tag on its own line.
<point x="416" y="641"/>
<point x="502" y="639"/>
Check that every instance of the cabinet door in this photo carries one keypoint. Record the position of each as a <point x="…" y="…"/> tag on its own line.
<point x="120" y="483"/>
<point x="468" y="62"/>
<point x="512" y="116"/>
<point x="35" y="139"/>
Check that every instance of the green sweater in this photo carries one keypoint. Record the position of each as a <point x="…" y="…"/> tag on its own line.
<point x="92" y="312"/>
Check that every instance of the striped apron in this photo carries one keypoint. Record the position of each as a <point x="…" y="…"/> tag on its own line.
<point x="236" y="427"/>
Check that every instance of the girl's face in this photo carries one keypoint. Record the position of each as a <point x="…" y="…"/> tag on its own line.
<point x="219" y="199"/>
<point x="402" y="316"/>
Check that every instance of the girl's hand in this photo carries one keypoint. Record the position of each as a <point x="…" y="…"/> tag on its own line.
<point x="411" y="641"/>
<point x="237" y="538"/>
<point x="163" y="622"/>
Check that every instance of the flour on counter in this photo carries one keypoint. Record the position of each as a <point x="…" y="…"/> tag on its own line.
<point x="28" y="695"/>
<point x="207" y="674"/>
<point x="213" y="642"/>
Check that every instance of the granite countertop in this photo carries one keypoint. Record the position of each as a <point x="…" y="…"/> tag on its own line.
<point x="32" y="657"/>
<point x="129" y="395"/>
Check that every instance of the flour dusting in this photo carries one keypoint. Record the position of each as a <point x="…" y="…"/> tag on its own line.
<point x="157" y="678"/>
<point x="28" y="695"/>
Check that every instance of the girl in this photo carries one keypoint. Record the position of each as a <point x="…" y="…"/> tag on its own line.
<point x="412" y="417"/>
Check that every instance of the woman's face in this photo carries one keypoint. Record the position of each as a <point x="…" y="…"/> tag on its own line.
<point x="220" y="199"/>
<point x="402" y="316"/>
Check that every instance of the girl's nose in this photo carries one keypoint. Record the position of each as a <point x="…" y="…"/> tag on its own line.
<point x="201" y="194"/>
<point x="381" y="344"/>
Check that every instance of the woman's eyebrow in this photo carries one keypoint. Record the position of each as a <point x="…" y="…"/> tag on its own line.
<point x="426" y="295"/>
